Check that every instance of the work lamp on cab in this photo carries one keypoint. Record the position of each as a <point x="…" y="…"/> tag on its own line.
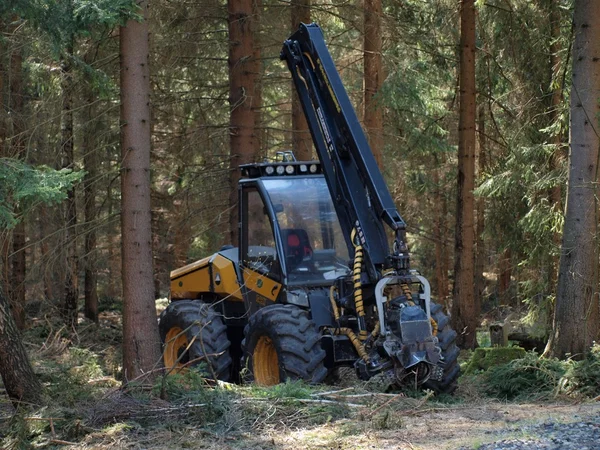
<point x="280" y="170"/>
<point x="289" y="170"/>
<point x="270" y="170"/>
<point x="313" y="168"/>
<point x="303" y="168"/>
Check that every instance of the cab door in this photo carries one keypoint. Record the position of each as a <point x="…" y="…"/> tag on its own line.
<point x="260" y="259"/>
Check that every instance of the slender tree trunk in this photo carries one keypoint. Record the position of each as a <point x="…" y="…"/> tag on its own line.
<point x="481" y="255"/>
<point x="112" y="243"/>
<point x="141" y="343"/>
<point x="258" y="141"/>
<point x="71" y="284"/>
<point x="441" y="267"/>
<point x="557" y="139"/>
<point x="465" y="315"/>
<point x="18" y="377"/>
<point x="576" y="314"/>
<point x="44" y="230"/>
<point x="17" y="279"/>
<point x="373" y="78"/>
<point x="90" y="163"/>
<point x="241" y="99"/>
<point x="302" y="144"/>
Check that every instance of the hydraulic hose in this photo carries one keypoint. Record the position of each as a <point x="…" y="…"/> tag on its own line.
<point x="358" y="297"/>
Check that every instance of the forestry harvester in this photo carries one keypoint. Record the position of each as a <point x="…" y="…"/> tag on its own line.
<point x="321" y="278"/>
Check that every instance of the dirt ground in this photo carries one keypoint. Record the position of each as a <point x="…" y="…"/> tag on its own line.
<point x="450" y="427"/>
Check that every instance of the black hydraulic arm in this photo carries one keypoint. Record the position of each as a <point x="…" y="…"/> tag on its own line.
<point x="361" y="197"/>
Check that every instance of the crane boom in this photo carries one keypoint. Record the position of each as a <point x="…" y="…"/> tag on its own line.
<point x="362" y="200"/>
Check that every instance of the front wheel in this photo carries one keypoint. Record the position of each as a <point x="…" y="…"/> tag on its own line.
<point x="447" y="342"/>
<point x="194" y="334"/>
<point x="282" y="343"/>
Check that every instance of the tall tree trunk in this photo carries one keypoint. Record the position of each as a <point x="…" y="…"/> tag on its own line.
<point x="17" y="280"/>
<point x="465" y="315"/>
<point x="90" y="163"/>
<point x="112" y="284"/>
<point x="302" y="144"/>
<point x="18" y="377"/>
<point x="71" y="283"/>
<point x="241" y="89"/>
<point x="441" y="267"/>
<point x="259" y="139"/>
<point x="373" y="78"/>
<point x="480" y="257"/>
<point x="141" y="343"/>
<point x="576" y="315"/>
<point x="557" y="139"/>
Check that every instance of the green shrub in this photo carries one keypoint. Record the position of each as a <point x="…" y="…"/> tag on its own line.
<point x="530" y="376"/>
<point x="583" y="377"/>
<point x="485" y="358"/>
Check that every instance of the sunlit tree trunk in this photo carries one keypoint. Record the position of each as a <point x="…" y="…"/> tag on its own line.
<point x="465" y="315"/>
<point x="302" y="144"/>
<point x="576" y="315"/>
<point x="141" y="343"/>
<point x="373" y="78"/>
<point x="241" y="89"/>
<point x="259" y="137"/>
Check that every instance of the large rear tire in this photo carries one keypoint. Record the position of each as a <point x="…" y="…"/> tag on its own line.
<point x="282" y="343"/>
<point x="194" y="324"/>
<point x="447" y="342"/>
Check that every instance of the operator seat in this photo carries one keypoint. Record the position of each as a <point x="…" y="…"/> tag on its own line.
<point x="296" y="246"/>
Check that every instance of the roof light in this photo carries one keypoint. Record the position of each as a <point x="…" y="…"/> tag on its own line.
<point x="303" y="168"/>
<point x="270" y="170"/>
<point x="313" y="168"/>
<point x="289" y="170"/>
<point x="280" y="170"/>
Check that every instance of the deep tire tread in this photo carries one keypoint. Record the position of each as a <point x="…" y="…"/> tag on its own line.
<point x="296" y="338"/>
<point x="202" y="321"/>
<point x="447" y="342"/>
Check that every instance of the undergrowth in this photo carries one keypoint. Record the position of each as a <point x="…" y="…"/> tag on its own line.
<point x="538" y="378"/>
<point x="85" y="398"/>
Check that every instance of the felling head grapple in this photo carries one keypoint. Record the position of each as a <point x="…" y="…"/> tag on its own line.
<point x="314" y="284"/>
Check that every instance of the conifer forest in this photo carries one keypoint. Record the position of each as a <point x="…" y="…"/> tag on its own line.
<point x="122" y="128"/>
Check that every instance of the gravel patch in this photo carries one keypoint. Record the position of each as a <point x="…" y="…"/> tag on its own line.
<point x="581" y="434"/>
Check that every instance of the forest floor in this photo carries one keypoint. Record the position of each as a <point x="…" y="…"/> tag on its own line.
<point x="89" y="409"/>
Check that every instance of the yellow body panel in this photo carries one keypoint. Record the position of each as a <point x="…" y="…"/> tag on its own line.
<point x="214" y="274"/>
<point x="261" y="284"/>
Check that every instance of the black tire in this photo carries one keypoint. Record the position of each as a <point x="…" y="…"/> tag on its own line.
<point x="185" y="321"/>
<point x="282" y="343"/>
<point x="447" y="342"/>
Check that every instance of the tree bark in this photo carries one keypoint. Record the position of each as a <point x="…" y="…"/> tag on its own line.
<point x="576" y="315"/>
<point x="71" y="283"/>
<point x="90" y="163"/>
<point x="480" y="257"/>
<point x="373" y="78"/>
<point x="17" y="279"/>
<point x="465" y="315"/>
<point x="441" y="266"/>
<point x="20" y="382"/>
<point x="141" y="343"/>
<point x="241" y="88"/>
<point x="302" y="144"/>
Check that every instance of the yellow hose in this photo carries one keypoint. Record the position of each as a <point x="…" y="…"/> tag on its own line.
<point x="358" y="298"/>
<point x="336" y="311"/>
<point x="360" y="349"/>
